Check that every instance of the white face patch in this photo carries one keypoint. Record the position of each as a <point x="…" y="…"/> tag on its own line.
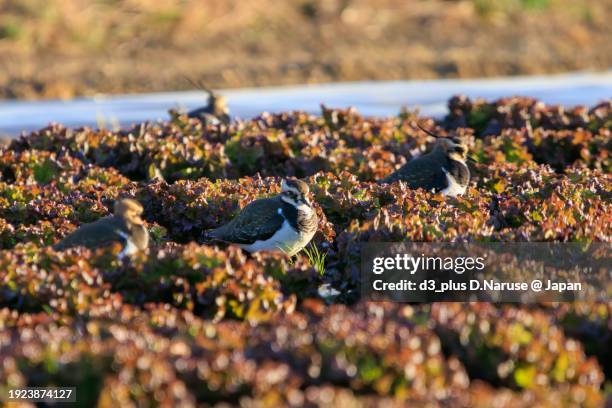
<point x="300" y="206"/>
<point x="457" y="157"/>
<point x="294" y="190"/>
<point x="285" y="186"/>
<point x="289" y="200"/>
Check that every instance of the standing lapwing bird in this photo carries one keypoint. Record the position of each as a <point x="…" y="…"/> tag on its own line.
<point x="283" y="223"/>
<point x="444" y="169"/>
<point x="215" y="111"/>
<point x="125" y="227"/>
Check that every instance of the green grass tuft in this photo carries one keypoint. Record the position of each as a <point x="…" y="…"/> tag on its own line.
<point x="316" y="258"/>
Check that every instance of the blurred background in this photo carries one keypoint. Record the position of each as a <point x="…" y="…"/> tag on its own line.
<point x="68" y="48"/>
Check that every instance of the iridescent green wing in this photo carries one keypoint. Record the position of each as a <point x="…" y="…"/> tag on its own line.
<point x="424" y="172"/>
<point x="257" y="221"/>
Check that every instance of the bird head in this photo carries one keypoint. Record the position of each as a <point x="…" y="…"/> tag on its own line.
<point x="452" y="146"/>
<point x="295" y="192"/>
<point x="216" y="101"/>
<point x="130" y="210"/>
<point x="219" y="103"/>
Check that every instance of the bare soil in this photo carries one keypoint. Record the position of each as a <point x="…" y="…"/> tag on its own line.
<point x="68" y="48"/>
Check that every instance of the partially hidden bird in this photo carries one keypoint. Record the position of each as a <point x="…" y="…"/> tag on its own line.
<point x="125" y="226"/>
<point x="215" y="111"/>
<point x="285" y="223"/>
<point x="443" y="169"/>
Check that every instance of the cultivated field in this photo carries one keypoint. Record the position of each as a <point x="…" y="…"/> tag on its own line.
<point x="191" y="323"/>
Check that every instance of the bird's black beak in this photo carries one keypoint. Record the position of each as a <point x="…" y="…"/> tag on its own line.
<point x="471" y="159"/>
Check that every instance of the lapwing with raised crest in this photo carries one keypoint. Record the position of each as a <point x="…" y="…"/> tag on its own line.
<point x="215" y="111"/>
<point x="285" y="223"/>
<point x="125" y="227"/>
<point x="443" y="169"/>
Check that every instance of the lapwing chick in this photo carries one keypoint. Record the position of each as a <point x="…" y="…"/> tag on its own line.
<point x="125" y="227"/>
<point x="215" y="111"/>
<point x="286" y="222"/>
<point x="443" y="169"/>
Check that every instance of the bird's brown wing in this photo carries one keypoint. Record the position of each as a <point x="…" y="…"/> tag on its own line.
<point x="424" y="172"/>
<point x="96" y="234"/>
<point x="258" y="221"/>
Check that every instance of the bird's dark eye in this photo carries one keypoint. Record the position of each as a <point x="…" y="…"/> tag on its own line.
<point x="460" y="149"/>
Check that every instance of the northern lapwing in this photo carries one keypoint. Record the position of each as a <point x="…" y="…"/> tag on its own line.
<point x="215" y="111"/>
<point x="286" y="222"/>
<point x="444" y="169"/>
<point x="125" y="227"/>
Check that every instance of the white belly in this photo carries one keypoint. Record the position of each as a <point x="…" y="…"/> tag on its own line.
<point x="454" y="188"/>
<point x="286" y="240"/>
